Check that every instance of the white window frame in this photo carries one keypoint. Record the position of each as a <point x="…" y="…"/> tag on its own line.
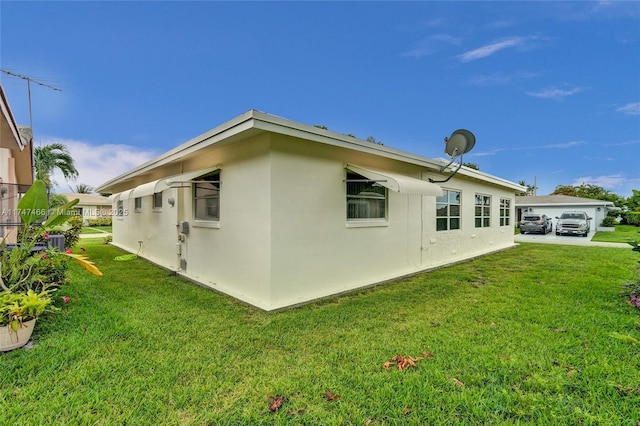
<point x="445" y="201"/>
<point x="361" y="208"/>
<point x="505" y="211"/>
<point x="212" y="179"/>
<point x="482" y="217"/>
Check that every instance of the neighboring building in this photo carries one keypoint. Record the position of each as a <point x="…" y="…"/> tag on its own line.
<point x="554" y="205"/>
<point x="277" y="213"/>
<point x="91" y="206"/>
<point x="16" y="168"/>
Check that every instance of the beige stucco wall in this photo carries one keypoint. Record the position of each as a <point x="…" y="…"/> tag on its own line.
<point x="283" y="237"/>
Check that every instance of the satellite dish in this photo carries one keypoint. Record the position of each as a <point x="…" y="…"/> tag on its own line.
<point x="460" y="142"/>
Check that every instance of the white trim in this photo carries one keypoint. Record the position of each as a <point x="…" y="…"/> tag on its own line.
<point x="160" y="185"/>
<point x="398" y="183"/>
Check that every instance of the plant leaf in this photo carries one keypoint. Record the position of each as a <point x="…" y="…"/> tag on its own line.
<point x="276" y="403"/>
<point x="330" y="396"/>
<point x="33" y="205"/>
<point x="60" y="215"/>
<point x="85" y="263"/>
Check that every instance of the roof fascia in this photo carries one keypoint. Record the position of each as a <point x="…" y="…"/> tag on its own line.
<point x="8" y="116"/>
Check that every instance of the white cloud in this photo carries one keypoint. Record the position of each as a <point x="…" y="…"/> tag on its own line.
<point x="431" y="45"/>
<point x="608" y="182"/>
<point x="97" y="164"/>
<point x="555" y="93"/>
<point x="499" y="78"/>
<point x="490" y="49"/>
<point x="563" y="145"/>
<point x="632" y="108"/>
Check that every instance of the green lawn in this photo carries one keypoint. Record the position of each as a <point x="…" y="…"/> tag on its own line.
<point x="95" y="229"/>
<point x="520" y="337"/>
<point x="622" y="234"/>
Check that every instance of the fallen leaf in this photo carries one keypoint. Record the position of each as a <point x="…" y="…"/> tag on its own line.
<point x="457" y="382"/>
<point x="276" y="403"/>
<point x="294" y="412"/>
<point x="330" y="396"/>
<point x="387" y="364"/>
<point x="427" y="354"/>
<point x="406" y="411"/>
<point x="571" y="373"/>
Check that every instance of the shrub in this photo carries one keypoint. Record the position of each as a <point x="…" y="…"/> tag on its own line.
<point x="72" y="235"/>
<point x="608" y="221"/>
<point x="632" y="218"/>
<point x="100" y="221"/>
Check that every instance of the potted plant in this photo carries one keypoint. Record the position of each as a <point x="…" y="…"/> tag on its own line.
<point x="18" y="314"/>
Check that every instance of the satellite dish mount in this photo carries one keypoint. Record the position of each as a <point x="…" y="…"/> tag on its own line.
<point x="460" y="142"/>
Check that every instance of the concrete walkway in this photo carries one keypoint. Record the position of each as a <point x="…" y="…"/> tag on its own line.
<point x="96" y="235"/>
<point x="569" y="240"/>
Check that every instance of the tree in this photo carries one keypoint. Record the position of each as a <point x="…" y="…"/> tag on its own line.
<point x="50" y="157"/>
<point x="531" y="189"/>
<point x="83" y="189"/>
<point x="587" y="190"/>
<point x="471" y="166"/>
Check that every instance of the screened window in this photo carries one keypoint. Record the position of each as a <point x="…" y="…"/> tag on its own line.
<point x="366" y="199"/>
<point x="157" y="200"/>
<point x="483" y="211"/>
<point x="120" y="208"/>
<point x="505" y="212"/>
<point x="138" y="204"/>
<point x="448" y="210"/>
<point x="206" y="197"/>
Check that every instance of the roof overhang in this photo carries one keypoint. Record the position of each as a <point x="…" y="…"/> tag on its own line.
<point x="398" y="183"/>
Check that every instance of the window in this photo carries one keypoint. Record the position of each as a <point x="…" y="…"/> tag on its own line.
<point x="366" y="199"/>
<point x="483" y="211"/>
<point x="448" y="210"/>
<point x="120" y="208"/>
<point x="206" y="197"/>
<point x="157" y="200"/>
<point x="138" y="204"/>
<point x="505" y="212"/>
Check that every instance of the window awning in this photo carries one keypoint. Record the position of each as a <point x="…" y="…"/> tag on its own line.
<point x="160" y="185"/>
<point x="398" y="183"/>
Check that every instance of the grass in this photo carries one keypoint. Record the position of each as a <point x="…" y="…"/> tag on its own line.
<point x="520" y="337"/>
<point x="96" y="229"/>
<point x="622" y="234"/>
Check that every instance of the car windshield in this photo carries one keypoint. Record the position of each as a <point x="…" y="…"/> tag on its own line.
<point x="532" y="218"/>
<point x="572" y="216"/>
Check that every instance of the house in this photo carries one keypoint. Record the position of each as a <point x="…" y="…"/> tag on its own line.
<point x="16" y="168"/>
<point x="91" y="206"/>
<point x="554" y="205"/>
<point x="277" y="213"/>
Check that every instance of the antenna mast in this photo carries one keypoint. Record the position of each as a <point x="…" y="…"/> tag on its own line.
<point x="29" y="80"/>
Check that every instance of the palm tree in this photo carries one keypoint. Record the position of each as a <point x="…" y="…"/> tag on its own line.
<point x="83" y="189"/>
<point x="50" y="157"/>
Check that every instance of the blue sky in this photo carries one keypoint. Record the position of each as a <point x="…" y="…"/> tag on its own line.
<point x="550" y="89"/>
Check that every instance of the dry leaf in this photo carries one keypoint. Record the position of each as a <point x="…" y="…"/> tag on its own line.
<point x="406" y="411"/>
<point x="294" y="412"/>
<point x="457" y="382"/>
<point x="276" y="403"/>
<point x="427" y="354"/>
<point x="330" y="396"/>
<point x="571" y="373"/>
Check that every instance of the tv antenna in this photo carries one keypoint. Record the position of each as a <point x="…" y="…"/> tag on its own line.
<point x="460" y="142"/>
<point x="29" y="81"/>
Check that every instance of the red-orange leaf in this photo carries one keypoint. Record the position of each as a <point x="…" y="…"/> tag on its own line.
<point x="330" y="396"/>
<point x="276" y="403"/>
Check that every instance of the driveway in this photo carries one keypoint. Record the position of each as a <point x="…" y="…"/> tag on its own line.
<point x="570" y="240"/>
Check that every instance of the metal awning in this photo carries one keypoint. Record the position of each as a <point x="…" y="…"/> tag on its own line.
<point x="398" y="183"/>
<point x="160" y="185"/>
